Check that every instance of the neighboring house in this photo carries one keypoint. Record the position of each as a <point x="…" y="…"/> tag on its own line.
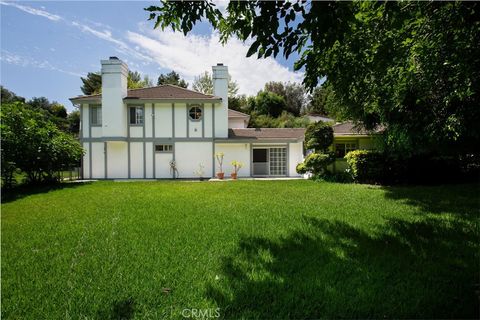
<point x="347" y="137"/>
<point x="137" y="133"/>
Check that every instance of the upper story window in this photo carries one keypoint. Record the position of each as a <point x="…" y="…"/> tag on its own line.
<point x="136" y="115"/>
<point x="195" y="113"/>
<point x="341" y="149"/>
<point x="96" y="116"/>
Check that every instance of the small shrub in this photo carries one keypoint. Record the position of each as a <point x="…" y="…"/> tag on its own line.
<point x="316" y="163"/>
<point x="366" y="166"/>
<point x="301" y="169"/>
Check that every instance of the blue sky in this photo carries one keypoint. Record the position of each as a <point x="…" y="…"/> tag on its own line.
<point x="47" y="46"/>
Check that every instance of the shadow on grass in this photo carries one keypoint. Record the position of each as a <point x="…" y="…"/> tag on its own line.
<point x="16" y="193"/>
<point x="119" y="310"/>
<point x="462" y="200"/>
<point x="331" y="269"/>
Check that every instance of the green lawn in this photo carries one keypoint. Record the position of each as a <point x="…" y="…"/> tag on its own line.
<point x="254" y="249"/>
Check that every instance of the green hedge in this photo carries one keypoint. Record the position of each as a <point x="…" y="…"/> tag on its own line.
<point x="366" y="166"/>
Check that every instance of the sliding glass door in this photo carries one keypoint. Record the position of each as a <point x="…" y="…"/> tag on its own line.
<point x="269" y="161"/>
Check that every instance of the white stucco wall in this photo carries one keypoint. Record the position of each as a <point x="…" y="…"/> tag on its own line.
<point x="221" y="121"/>
<point x="295" y="157"/>
<point x="136" y="131"/>
<point x="149" y="160"/>
<point x="188" y="156"/>
<point x="136" y="160"/>
<point x="220" y="89"/>
<point x="234" y="151"/>
<point x="208" y="119"/>
<point x="117" y="159"/>
<point x="86" y="161"/>
<point x="162" y="165"/>
<point x="96" y="132"/>
<point x="148" y="120"/>
<point x="163" y="120"/>
<point x="195" y="128"/>
<point x="180" y="120"/>
<point x="236" y="123"/>
<point x="85" y="120"/>
<point x="114" y="89"/>
<point x="98" y="160"/>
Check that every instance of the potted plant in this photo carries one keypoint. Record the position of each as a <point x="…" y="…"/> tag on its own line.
<point x="236" y="167"/>
<point x="220" y="173"/>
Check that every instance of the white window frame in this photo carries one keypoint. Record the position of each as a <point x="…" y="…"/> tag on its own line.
<point x="137" y="121"/>
<point x="97" y="110"/>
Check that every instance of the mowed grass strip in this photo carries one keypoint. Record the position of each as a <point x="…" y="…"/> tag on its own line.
<point x="253" y="249"/>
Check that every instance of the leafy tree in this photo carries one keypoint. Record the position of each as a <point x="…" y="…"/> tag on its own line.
<point x="322" y="101"/>
<point x="8" y="96"/>
<point x="135" y="81"/>
<point x="319" y="137"/>
<point x="204" y="84"/>
<point x="239" y="103"/>
<point x="285" y="120"/>
<point x="294" y="94"/>
<point x="92" y="84"/>
<point x="269" y="103"/>
<point x="33" y="144"/>
<point x="58" y="110"/>
<point x="411" y="66"/>
<point x="73" y="119"/>
<point x="172" y="78"/>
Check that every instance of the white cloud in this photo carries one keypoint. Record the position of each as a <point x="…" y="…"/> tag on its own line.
<point x="193" y="54"/>
<point x="106" y="35"/>
<point x="22" y="61"/>
<point x="34" y="11"/>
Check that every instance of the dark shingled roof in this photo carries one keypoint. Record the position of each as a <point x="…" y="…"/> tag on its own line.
<point x="349" y="128"/>
<point x="266" y="133"/>
<point x="166" y="91"/>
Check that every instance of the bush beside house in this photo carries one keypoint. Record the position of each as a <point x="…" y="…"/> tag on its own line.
<point x="33" y="144"/>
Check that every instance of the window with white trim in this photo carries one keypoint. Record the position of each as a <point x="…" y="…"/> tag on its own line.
<point x="136" y="115"/>
<point x="96" y="116"/>
<point x="163" y="148"/>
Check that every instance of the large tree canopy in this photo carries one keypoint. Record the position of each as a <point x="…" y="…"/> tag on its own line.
<point x="294" y="94"/>
<point x="92" y="83"/>
<point x="204" y="83"/>
<point x="411" y="66"/>
<point x="172" y="78"/>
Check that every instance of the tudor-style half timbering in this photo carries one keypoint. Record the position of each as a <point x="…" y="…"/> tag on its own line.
<point x="138" y="133"/>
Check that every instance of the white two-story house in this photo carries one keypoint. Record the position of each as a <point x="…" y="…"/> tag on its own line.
<point x="139" y="133"/>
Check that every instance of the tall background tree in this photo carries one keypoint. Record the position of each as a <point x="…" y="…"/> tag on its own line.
<point x="413" y="67"/>
<point x="204" y="83"/>
<point x="172" y="78"/>
<point x="294" y="94"/>
<point x="92" y="83"/>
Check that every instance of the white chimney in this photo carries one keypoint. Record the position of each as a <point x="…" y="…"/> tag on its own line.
<point x="114" y="89"/>
<point x="220" y="89"/>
